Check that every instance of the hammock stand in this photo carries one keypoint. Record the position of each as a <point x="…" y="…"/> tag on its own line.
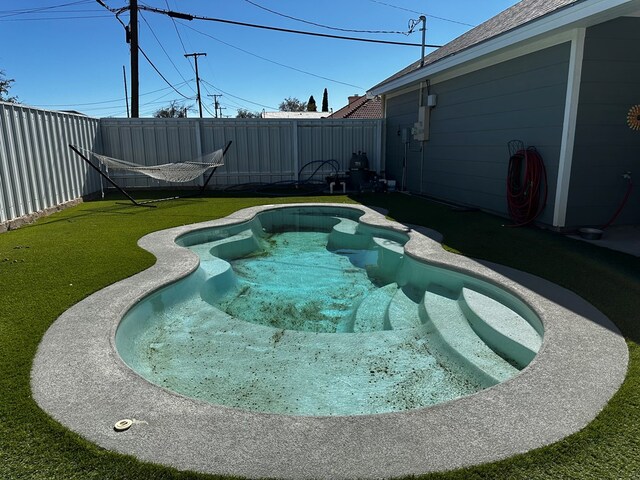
<point x="148" y="203"/>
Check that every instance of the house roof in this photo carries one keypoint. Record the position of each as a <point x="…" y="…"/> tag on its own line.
<point x="300" y="115"/>
<point x="521" y="13"/>
<point x="362" y="107"/>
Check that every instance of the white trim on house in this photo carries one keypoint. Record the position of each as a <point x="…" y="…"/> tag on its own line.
<point x="580" y="15"/>
<point x="569" y="128"/>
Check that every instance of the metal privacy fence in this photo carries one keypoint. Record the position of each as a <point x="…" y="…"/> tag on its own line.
<point x="263" y="150"/>
<point x="38" y="171"/>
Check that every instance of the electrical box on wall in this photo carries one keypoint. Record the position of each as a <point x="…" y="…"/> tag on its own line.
<point x="432" y="100"/>
<point x="420" y="129"/>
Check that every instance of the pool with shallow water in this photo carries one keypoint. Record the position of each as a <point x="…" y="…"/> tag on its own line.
<point x="307" y="311"/>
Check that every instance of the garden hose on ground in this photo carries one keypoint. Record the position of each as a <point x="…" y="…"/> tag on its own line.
<point x="526" y="186"/>
<point x="284" y="187"/>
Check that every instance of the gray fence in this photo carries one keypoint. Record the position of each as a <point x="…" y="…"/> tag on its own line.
<point x="37" y="170"/>
<point x="263" y="150"/>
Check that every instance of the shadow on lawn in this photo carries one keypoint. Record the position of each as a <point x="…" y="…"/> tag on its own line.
<point x="607" y="279"/>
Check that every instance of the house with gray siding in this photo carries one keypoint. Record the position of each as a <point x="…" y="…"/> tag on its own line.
<point x="560" y="75"/>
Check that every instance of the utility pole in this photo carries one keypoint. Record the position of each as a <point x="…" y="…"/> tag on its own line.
<point x="195" y="58"/>
<point x="133" y="40"/>
<point x="216" y="104"/>
<point x="126" y="94"/>
<point x="423" y="19"/>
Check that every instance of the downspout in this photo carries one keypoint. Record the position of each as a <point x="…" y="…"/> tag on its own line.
<point x="569" y="128"/>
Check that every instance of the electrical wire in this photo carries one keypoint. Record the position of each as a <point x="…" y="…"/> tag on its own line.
<point x="184" y="49"/>
<point x="186" y="16"/>
<point x="324" y="26"/>
<point x="48" y="19"/>
<point x="239" y="98"/>
<point x="11" y="13"/>
<point x="271" y="61"/>
<point x="102" y="102"/>
<point x="160" y="73"/>
<point x="422" y="13"/>
<point x="162" y="47"/>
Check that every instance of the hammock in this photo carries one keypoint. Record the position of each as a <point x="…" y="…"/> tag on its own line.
<point x="169" y="172"/>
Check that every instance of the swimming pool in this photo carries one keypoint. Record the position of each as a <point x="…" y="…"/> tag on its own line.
<point x="79" y="378"/>
<point x="307" y="311"/>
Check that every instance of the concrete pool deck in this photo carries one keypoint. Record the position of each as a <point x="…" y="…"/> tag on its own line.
<point x="79" y="379"/>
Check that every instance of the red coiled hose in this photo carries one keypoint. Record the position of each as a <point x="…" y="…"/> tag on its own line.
<point x="526" y="186"/>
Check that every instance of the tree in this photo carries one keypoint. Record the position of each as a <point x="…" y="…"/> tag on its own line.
<point x="5" y="85"/>
<point x="311" y="105"/>
<point x="173" y="110"/>
<point x="292" y="104"/>
<point x="325" y="101"/>
<point x="244" y="113"/>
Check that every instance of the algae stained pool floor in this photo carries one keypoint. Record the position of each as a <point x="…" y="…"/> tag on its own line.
<point x="50" y="265"/>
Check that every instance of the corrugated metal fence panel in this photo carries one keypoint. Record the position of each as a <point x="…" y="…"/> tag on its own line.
<point x="37" y="168"/>
<point x="150" y="141"/>
<point x="263" y="150"/>
<point x="338" y="140"/>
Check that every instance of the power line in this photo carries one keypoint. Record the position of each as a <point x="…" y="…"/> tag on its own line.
<point x="272" y="61"/>
<point x="161" y="75"/>
<point x="162" y="47"/>
<point x="186" y="16"/>
<point x="324" y="26"/>
<point x="239" y="98"/>
<point x="102" y="102"/>
<point x="47" y="19"/>
<point x="11" y="13"/>
<point x="422" y="13"/>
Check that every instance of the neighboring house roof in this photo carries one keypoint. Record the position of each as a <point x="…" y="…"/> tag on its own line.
<point x="360" y="107"/>
<point x="301" y="115"/>
<point x="515" y="17"/>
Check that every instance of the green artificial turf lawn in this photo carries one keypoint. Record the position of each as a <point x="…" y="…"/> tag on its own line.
<point x="50" y="265"/>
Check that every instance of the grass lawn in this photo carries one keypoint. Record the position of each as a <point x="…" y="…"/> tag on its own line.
<point x="50" y="265"/>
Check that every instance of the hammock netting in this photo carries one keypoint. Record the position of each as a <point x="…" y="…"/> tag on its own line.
<point x="169" y="172"/>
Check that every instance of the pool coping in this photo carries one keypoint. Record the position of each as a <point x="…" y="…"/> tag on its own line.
<point x="78" y="378"/>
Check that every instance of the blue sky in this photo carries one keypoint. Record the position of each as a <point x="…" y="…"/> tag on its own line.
<point x="68" y="54"/>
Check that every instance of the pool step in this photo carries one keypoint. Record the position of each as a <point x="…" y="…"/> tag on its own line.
<point x="502" y="329"/>
<point x="403" y="311"/>
<point x="221" y="279"/>
<point x="371" y="315"/>
<point x="455" y="342"/>
<point x="235" y="246"/>
<point x="344" y="235"/>
<point x="390" y="255"/>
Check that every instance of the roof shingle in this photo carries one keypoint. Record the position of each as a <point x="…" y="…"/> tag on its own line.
<point x="513" y="17"/>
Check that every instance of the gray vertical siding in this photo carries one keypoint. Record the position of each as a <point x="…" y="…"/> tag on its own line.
<point x="37" y="169"/>
<point x="605" y="147"/>
<point x="465" y="160"/>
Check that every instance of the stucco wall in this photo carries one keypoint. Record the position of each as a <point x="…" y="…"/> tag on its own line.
<point x="605" y="147"/>
<point x="465" y="160"/>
